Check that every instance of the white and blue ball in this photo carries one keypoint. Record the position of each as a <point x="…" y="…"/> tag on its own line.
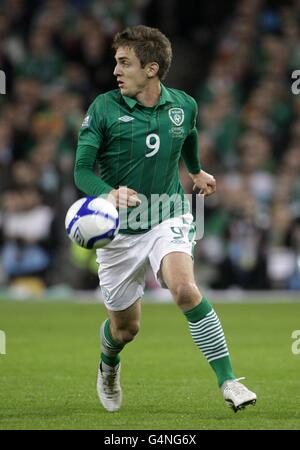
<point x="92" y="222"/>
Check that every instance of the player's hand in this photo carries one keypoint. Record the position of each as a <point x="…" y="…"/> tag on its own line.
<point x="204" y="183"/>
<point x="123" y="197"/>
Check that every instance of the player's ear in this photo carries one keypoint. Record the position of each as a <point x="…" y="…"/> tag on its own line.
<point x="152" y="69"/>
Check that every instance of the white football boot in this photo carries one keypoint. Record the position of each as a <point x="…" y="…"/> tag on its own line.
<point x="236" y="395"/>
<point x="109" y="388"/>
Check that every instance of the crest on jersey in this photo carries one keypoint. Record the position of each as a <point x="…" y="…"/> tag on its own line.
<point x="176" y="116"/>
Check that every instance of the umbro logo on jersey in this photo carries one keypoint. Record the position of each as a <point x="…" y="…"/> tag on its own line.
<point x="126" y="118"/>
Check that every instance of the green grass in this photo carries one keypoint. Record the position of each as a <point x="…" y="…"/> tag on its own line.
<point x="47" y="377"/>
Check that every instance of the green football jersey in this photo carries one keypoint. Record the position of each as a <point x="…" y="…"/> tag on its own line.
<point x="139" y="147"/>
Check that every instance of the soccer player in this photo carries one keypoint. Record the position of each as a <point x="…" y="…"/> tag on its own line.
<point x="135" y="136"/>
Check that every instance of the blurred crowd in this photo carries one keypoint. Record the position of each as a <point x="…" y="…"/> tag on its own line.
<point x="57" y="57"/>
<point x="250" y="139"/>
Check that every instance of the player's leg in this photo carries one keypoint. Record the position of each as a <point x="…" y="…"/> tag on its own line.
<point x="176" y="271"/>
<point x="122" y="268"/>
<point x="116" y="332"/>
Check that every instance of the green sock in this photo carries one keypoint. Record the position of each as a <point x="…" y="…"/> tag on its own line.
<point x="110" y="347"/>
<point x="110" y="360"/>
<point x="208" y="335"/>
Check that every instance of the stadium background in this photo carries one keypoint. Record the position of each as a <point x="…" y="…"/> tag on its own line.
<point x="235" y="58"/>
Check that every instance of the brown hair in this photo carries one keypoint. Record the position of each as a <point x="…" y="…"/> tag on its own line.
<point x="149" y="44"/>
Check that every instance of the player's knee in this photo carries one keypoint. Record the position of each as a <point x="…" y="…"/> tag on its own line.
<point x="127" y="334"/>
<point x="187" y="295"/>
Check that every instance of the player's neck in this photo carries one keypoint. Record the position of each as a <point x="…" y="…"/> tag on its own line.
<point x="151" y="94"/>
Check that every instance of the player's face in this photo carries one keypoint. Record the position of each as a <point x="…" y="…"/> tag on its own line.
<point x="131" y="77"/>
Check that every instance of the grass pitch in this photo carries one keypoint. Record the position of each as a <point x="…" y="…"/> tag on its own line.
<point x="48" y="376"/>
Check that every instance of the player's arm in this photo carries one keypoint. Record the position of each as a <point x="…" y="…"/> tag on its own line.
<point x="190" y="152"/>
<point x="89" y="141"/>
<point x="203" y="181"/>
<point x="84" y="173"/>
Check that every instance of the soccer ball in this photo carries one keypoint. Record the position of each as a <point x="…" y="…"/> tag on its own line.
<point x="92" y="222"/>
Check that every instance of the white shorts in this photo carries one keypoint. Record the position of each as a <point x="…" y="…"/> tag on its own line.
<point x="123" y="264"/>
